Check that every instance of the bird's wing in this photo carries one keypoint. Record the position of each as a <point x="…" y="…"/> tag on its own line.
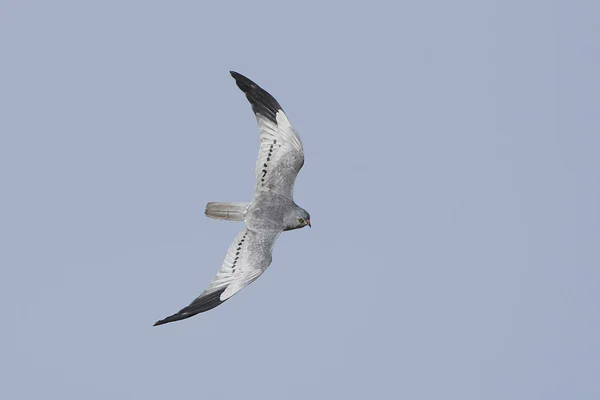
<point x="247" y="258"/>
<point x="280" y="155"/>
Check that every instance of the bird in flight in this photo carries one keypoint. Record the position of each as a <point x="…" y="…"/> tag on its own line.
<point x="271" y="211"/>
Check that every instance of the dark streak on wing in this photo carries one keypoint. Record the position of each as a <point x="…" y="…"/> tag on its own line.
<point x="199" y="305"/>
<point x="262" y="102"/>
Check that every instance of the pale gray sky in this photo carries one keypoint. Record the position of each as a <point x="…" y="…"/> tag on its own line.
<point x="452" y="176"/>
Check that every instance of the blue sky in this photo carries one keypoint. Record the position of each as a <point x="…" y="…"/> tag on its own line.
<point x="451" y="176"/>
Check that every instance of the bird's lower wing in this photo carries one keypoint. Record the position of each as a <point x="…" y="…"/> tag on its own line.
<point x="247" y="258"/>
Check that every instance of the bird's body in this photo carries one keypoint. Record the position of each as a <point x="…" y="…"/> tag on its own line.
<point x="272" y="210"/>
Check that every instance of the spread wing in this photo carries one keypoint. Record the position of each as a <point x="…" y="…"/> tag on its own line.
<point x="247" y="258"/>
<point x="280" y="155"/>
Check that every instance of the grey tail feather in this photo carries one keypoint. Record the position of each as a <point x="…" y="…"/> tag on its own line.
<point x="226" y="211"/>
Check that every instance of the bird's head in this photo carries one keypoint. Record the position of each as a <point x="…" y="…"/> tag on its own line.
<point x="296" y="219"/>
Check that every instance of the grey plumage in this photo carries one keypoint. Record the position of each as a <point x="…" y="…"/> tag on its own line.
<point x="272" y="210"/>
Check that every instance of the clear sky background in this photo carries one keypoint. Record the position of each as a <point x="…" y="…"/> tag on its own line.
<point x="452" y="176"/>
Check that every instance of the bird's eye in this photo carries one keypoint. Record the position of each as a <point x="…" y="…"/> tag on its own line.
<point x="301" y="220"/>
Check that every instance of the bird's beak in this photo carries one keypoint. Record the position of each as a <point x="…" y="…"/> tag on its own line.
<point x="308" y="223"/>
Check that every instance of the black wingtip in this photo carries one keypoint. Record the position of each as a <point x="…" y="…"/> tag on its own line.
<point x="245" y="84"/>
<point x="164" y="321"/>
<point x="175" y="317"/>
<point x="262" y="102"/>
<point x="201" y="304"/>
<point x="170" y="318"/>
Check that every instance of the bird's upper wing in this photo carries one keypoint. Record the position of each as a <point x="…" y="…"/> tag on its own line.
<point x="247" y="258"/>
<point x="280" y="155"/>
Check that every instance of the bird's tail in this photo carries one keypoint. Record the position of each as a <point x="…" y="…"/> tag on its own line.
<point x="227" y="211"/>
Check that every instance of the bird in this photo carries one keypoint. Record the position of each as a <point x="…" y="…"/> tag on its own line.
<point x="271" y="211"/>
